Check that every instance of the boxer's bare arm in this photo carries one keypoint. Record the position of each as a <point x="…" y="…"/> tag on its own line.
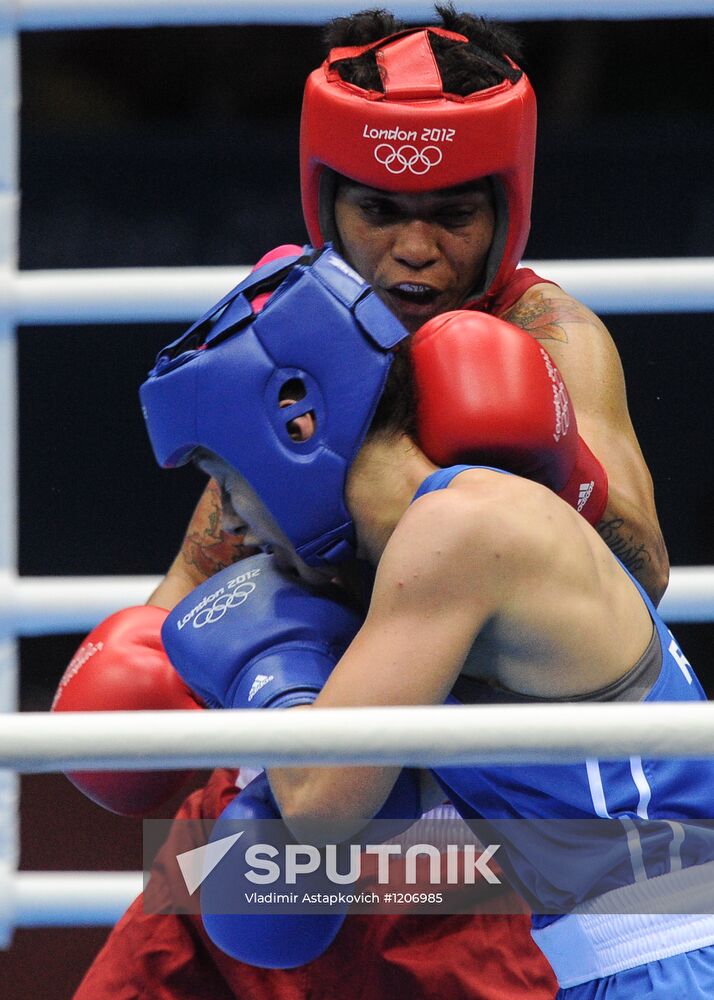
<point x="504" y="570"/>
<point x="205" y="550"/>
<point x="587" y="357"/>
<point x="426" y="608"/>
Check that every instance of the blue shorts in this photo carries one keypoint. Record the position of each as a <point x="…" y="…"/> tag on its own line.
<point x="689" y="976"/>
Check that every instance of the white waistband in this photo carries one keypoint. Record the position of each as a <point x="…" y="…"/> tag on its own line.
<point x="606" y="935"/>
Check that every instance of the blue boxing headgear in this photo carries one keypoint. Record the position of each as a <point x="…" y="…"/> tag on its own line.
<point x="218" y="388"/>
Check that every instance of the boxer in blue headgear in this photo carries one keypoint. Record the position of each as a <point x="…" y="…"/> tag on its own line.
<point x="231" y="392"/>
<point x="236" y="381"/>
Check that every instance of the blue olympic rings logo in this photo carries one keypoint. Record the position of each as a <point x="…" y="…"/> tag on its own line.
<point x="416" y="161"/>
<point x="224" y="602"/>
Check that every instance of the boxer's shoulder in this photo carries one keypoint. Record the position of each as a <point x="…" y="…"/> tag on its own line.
<point x="477" y="499"/>
<point x="484" y="519"/>
<point x="549" y="313"/>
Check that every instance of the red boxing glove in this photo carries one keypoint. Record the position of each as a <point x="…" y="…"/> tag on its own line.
<point x="488" y="393"/>
<point x="122" y="666"/>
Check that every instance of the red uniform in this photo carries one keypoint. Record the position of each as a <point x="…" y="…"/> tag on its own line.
<point x="473" y="957"/>
<point x="168" y="957"/>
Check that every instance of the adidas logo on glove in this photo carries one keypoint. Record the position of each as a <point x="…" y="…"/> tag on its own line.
<point x="584" y="494"/>
<point x="260" y="681"/>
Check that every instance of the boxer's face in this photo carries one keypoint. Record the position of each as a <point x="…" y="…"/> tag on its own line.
<point x="244" y="514"/>
<point x="424" y="253"/>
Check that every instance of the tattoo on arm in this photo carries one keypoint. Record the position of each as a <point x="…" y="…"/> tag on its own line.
<point x="208" y="557"/>
<point x="212" y="549"/>
<point x="631" y="554"/>
<point x="543" y="318"/>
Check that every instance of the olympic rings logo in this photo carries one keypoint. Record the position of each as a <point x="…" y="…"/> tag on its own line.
<point x="417" y="161"/>
<point x="224" y="602"/>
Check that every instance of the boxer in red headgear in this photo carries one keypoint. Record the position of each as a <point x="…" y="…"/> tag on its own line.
<point x="435" y="220"/>
<point x="415" y="136"/>
<point x="410" y="141"/>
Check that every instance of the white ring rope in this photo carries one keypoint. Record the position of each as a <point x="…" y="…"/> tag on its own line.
<point x="51" y="899"/>
<point x="39" y="14"/>
<point x="48" y="605"/>
<point x="35" y="742"/>
<point x="56" y="604"/>
<point x="137" y="295"/>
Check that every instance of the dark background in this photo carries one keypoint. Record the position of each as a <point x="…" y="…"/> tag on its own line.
<point x="178" y="146"/>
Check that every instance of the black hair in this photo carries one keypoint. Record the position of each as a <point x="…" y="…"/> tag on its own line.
<point x="396" y="411"/>
<point x="464" y="68"/>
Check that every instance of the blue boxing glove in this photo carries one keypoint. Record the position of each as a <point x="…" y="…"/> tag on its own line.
<point x="253" y="637"/>
<point x="254" y="932"/>
<point x="259" y="935"/>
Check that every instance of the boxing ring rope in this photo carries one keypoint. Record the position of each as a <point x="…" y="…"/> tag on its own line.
<point x="43" y="14"/>
<point x="419" y="737"/>
<point x="55" y="604"/>
<point x="35" y="742"/>
<point x="40" y="899"/>
<point x="140" y="295"/>
<point x="33" y="606"/>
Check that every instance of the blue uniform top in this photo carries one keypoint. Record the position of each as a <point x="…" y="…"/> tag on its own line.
<point x="563" y="855"/>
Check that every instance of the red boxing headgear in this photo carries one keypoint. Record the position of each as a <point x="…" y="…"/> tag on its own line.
<point x="414" y="137"/>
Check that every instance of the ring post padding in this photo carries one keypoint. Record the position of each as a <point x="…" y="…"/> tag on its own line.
<point x="9" y="214"/>
<point x="7" y="909"/>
